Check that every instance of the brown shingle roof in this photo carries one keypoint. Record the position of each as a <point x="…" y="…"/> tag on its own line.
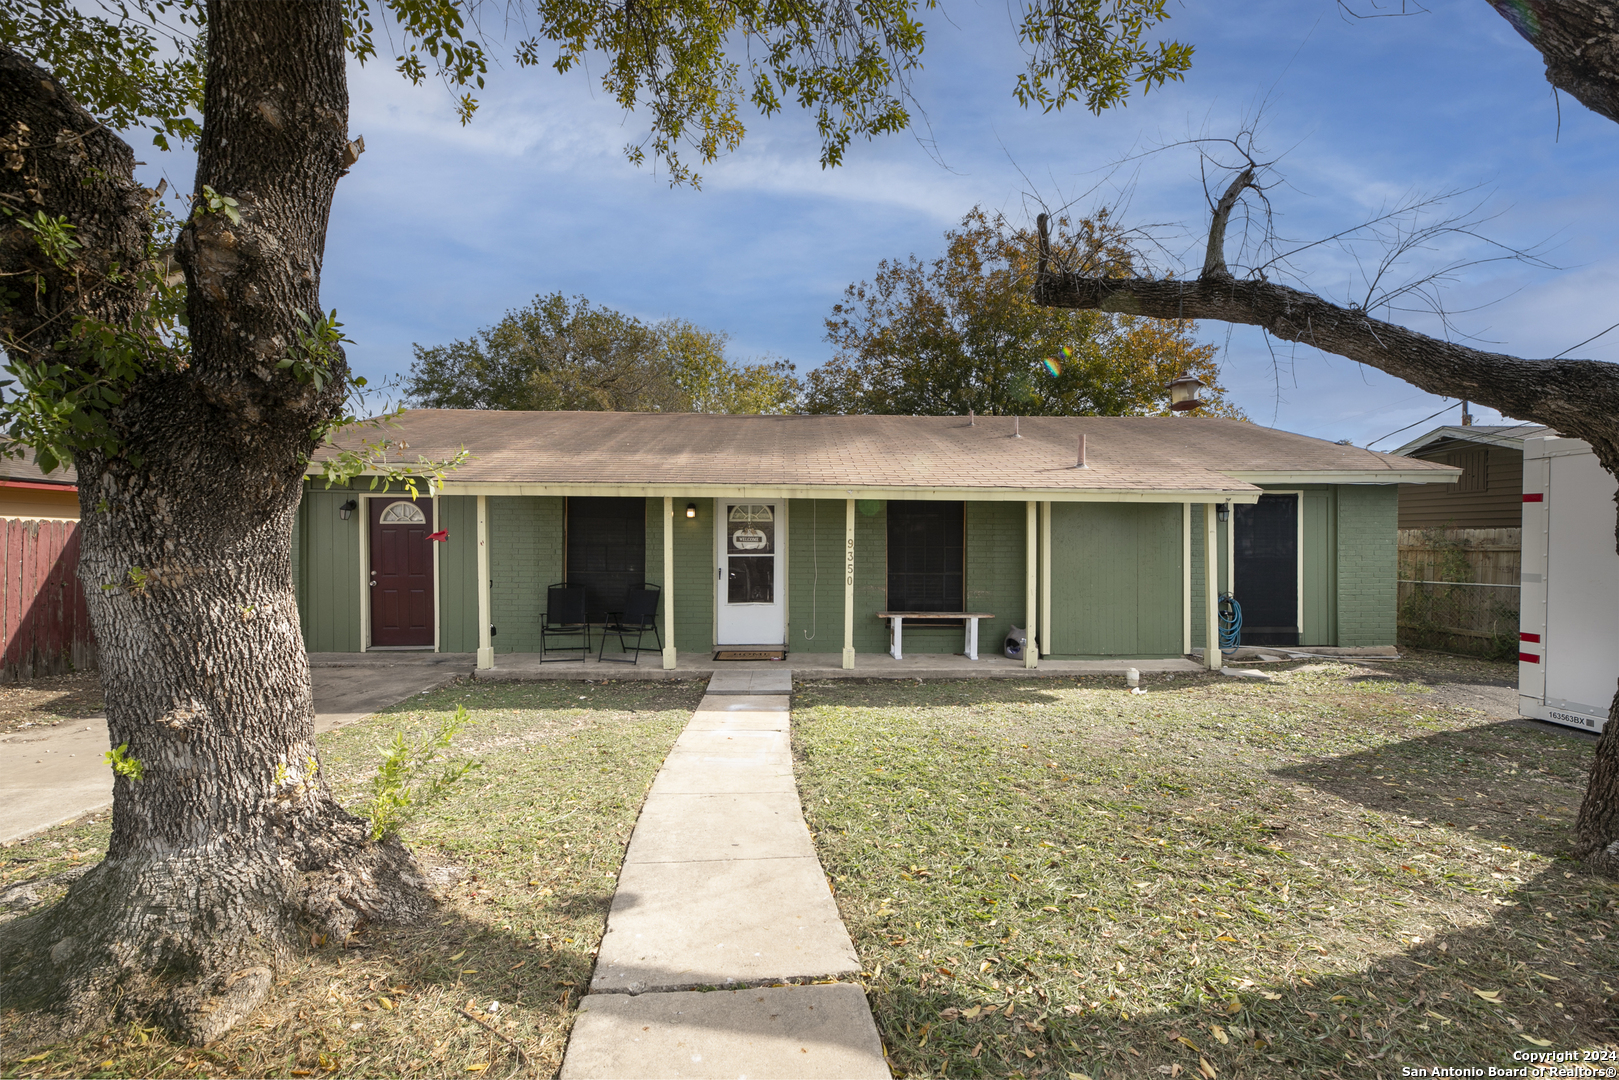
<point x="23" y="469"/>
<point x="1125" y="454"/>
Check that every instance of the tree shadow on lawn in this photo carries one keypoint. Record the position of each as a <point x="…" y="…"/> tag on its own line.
<point x="1509" y="782"/>
<point x="388" y="1003"/>
<point x="958" y="692"/>
<point x="1536" y="976"/>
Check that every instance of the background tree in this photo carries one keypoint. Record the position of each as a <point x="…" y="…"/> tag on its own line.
<point x="962" y="333"/>
<point x="1580" y="43"/>
<point x="559" y="355"/>
<point x="191" y="437"/>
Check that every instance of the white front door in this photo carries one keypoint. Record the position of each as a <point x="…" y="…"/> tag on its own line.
<point x="750" y="577"/>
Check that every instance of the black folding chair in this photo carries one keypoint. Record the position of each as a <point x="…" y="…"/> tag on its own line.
<point x="564" y="617"/>
<point x="639" y="616"/>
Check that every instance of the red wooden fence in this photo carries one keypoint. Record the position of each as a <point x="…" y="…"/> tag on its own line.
<point x="44" y="624"/>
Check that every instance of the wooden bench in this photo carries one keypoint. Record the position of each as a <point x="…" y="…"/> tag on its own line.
<point x="896" y="627"/>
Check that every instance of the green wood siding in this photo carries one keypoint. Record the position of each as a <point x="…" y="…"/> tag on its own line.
<point x="870" y="577"/>
<point x="458" y="574"/>
<point x="1116" y="580"/>
<point x="1199" y="574"/>
<point x="815" y="575"/>
<point x="329" y="571"/>
<point x="694" y="575"/>
<point x="525" y="555"/>
<point x="1320" y="512"/>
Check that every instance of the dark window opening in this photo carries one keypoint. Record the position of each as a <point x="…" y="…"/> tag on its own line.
<point x="606" y="551"/>
<point x="927" y="547"/>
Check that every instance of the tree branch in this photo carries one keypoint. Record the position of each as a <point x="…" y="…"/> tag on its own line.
<point x="1214" y="266"/>
<point x="1577" y="397"/>
<point x="1579" y="40"/>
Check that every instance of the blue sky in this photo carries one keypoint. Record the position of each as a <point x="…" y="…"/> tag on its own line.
<point x="440" y="228"/>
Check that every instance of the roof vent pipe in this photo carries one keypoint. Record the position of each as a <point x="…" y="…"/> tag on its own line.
<point x="1016" y="423"/>
<point x="970" y="421"/>
<point x="1082" y="464"/>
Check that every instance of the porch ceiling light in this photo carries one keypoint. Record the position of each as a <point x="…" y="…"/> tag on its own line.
<point x="1223" y="511"/>
<point x="1183" y="393"/>
<point x="347" y="508"/>
<point x="691" y="510"/>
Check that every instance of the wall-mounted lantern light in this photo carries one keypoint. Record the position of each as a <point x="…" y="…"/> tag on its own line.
<point x="1183" y="393"/>
<point x="1223" y="511"/>
<point x="691" y="510"/>
<point x="347" y="508"/>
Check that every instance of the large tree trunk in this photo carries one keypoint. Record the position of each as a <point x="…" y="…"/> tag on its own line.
<point x="230" y="840"/>
<point x="1577" y="397"/>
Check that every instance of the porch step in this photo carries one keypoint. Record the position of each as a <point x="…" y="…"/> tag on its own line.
<point x="752" y="680"/>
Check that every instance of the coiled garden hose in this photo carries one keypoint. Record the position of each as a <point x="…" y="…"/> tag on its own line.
<point x="1230" y="623"/>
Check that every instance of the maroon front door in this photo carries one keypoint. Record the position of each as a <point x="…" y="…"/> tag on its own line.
<point x="401" y="584"/>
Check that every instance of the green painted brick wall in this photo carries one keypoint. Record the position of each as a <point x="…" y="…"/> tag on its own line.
<point x="870" y="578"/>
<point x="996" y="580"/>
<point x="1115" y="580"/>
<point x="458" y="574"/>
<point x="1367" y="564"/>
<point x="815" y="575"/>
<point x="525" y="555"/>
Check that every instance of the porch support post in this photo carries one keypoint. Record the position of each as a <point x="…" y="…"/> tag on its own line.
<point x="848" y="584"/>
<point x="1211" y="586"/>
<point x="1031" y="583"/>
<point x="1045" y="578"/>
<point x="668" y="583"/>
<point x="486" y="642"/>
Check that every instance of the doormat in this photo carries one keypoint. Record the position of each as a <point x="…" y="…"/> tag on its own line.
<point x="751" y="654"/>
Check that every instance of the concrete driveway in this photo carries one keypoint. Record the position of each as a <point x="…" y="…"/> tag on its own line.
<point x="56" y="774"/>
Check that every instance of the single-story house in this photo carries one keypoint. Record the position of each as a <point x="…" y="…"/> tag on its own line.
<point x="797" y="532"/>
<point x="1487" y="495"/>
<point x="28" y="492"/>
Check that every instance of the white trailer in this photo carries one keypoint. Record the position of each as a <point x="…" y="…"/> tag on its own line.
<point x="1568" y="651"/>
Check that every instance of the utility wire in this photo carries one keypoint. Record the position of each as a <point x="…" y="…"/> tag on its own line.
<point x="1408" y="427"/>
<point x="1587" y="341"/>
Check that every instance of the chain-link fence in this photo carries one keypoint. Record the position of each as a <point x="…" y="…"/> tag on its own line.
<point x="1463" y="617"/>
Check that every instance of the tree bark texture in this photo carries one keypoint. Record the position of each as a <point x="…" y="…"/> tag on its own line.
<point x="1579" y="40"/>
<point x="230" y="841"/>
<point x="1577" y="397"/>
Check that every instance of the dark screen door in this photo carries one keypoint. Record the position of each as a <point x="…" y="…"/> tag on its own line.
<point x="606" y="551"/>
<point x="401" y="572"/>
<point x="1266" y="563"/>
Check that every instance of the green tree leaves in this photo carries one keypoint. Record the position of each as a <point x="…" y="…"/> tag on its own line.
<point x="562" y="354"/>
<point x="961" y="333"/>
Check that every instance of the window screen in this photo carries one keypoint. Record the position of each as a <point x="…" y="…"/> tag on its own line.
<point x="606" y="550"/>
<point x="926" y="554"/>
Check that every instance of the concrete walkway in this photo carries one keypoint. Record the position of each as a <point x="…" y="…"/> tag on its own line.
<point x="721" y="888"/>
<point x="57" y="774"/>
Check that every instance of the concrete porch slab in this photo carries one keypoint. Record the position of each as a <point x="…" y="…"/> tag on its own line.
<point x="813" y="1032"/>
<point x="526" y="666"/>
<point x="676" y="926"/>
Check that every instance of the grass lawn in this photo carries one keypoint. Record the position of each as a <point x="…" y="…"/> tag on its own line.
<point x="1336" y="873"/>
<point x="527" y="853"/>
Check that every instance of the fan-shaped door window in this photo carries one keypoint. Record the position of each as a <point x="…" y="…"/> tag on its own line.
<point x="403" y="513"/>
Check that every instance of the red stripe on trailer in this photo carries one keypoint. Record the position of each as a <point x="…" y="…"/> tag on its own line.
<point x="1529" y="637"/>
<point x="1528" y="658"/>
<point x="1533" y="496"/>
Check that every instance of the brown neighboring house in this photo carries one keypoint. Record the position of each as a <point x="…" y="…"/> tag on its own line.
<point x="1461" y="545"/>
<point x="1489" y="494"/>
<point x="27" y="492"/>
